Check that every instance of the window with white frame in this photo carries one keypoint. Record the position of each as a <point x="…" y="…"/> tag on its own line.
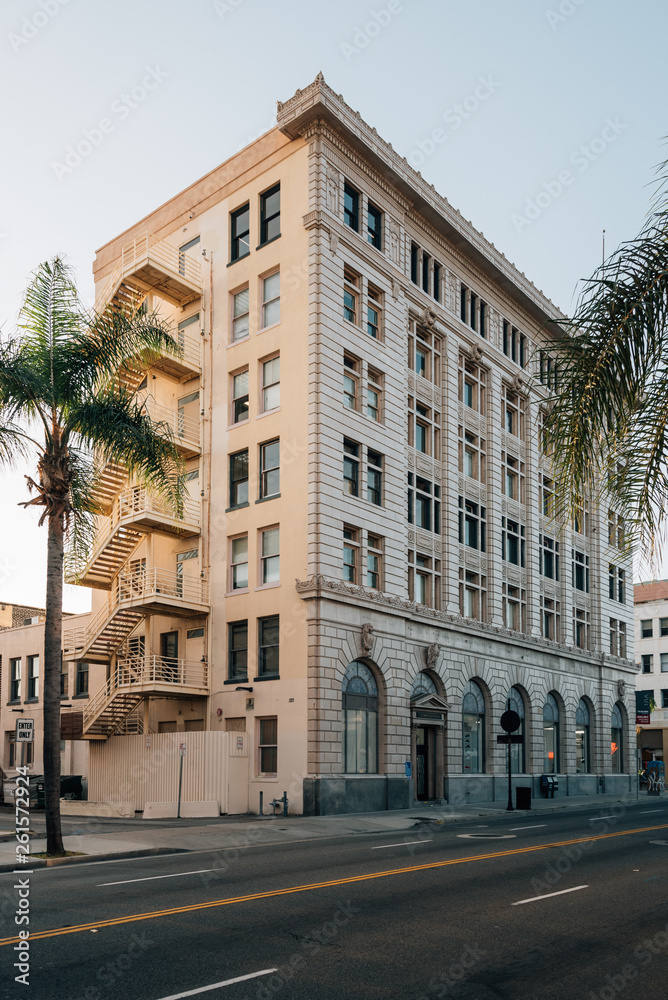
<point x="424" y="504"/>
<point x="472" y="595"/>
<point x="240" y="406"/>
<point x="514" y="601"/>
<point x="615" y="530"/>
<point x="512" y="471"/>
<point x="351" y="468"/>
<point x="374" y="312"/>
<point x="647" y="663"/>
<point x="424" y="354"/>
<point x="581" y="628"/>
<point x="512" y="415"/>
<point x="33" y="678"/>
<point x="374" y="561"/>
<point x="351" y="381"/>
<point x="240" y="314"/>
<point x="580" y="571"/>
<point x="514" y="344"/>
<point x="15" y="678"/>
<point x="472" y="385"/>
<point x="270" y="469"/>
<point x="646" y="628"/>
<point x="664" y="662"/>
<point x="239" y="563"/>
<point x="374" y="394"/>
<point x="581" y="518"/>
<point x="269" y="555"/>
<point x="271" y="299"/>
<point x="546" y="496"/>
<point x="548" y="370"/>
<point x="548" y="549"/>
<point x="267" y="745"/>
<point x="351" y="547"/>
<point x="424" y="428"/>
<point x="472" y="455"/>
<point x="424" y="579"/>
<point x="374" y="477"/>
<point x="512" y="541"/>
<point x="351" y="295"/>
<point x="271" y="384"/>
<point x="551" y="618"/>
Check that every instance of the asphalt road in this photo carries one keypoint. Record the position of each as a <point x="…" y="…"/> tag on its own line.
<point x="508" y="909"/>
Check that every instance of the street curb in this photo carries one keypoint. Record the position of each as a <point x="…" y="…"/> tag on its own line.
<point x="87" y="858"/>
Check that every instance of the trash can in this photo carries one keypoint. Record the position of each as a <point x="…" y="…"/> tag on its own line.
<point x="523" y="797"/>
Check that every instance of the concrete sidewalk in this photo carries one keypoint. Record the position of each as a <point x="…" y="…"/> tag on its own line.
<point x="97" y="839"/>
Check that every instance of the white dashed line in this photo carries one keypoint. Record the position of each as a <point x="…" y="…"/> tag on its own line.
<point x="217" y="986"/>
<point x="562" y="892"/>
<point x="406" y="843"/>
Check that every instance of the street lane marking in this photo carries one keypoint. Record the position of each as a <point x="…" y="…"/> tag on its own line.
<point x="549" y="895"/>
<point x="528" y="827"/>
<point x="598" y="819"/>
<point x="407" y="843"/>
<point x="152" y="878"/>
<point x="486" y="836"/>
<point x="646" y="812"/>
<point x="217" y="986"/>
<point x="193" y="907"/>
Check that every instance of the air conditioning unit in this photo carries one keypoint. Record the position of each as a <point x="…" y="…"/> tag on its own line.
<point x="31" y="621"/>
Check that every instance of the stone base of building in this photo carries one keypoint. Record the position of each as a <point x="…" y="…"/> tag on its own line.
<point x="334" y="796"/>
<point x="464" y="789"/>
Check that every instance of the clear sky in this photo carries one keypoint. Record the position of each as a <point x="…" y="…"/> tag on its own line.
<point x="540" y="120"/>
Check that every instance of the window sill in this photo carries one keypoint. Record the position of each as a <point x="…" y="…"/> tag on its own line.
<point x="31" y="701"/>
<point x="275" y="496"/>
<point x="233" y="593"/>
<point x="273" y="777"/>
<point x="237" y="259"/>
<point x="268" y="677"/>
<point x="268" y="413"/>
<point x="267" y="242"/>
<point x="241" y="340"/>
<point x="238" y="423"/>
<point x="269" y="586"/>
<point x="272" y="326"/>
<point x="237" y="506"/>
<point x="14" y="701"/>
<point x="80" y="697"/>
<point x="237" y="680"/>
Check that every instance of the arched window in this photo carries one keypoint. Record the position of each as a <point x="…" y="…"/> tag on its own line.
<point x="518" y="750"/>
<point x="582" y="743"/>
<point x="360" y="720"/>
<point x="617" y="740"/>
<point x="473" y="730"/>
<point x="550" y="735"/>
<point x="423" y="685"/>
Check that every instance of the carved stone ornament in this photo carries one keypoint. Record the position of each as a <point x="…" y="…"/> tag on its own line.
<point x="433" y="653"/>
<point x="333" y="186"/>
<point x="621" y="688"/>
<point x="476" y="354"/>
<point x="428" y="317"/>
<point x="333" y="243"/>
<point x="367" y="637"/>
<point x="517" y="383"/>
<point x="395" y="289"/>
<point x="394" y="241"/>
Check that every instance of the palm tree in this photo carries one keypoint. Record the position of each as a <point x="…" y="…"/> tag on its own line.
<point x="65" y="402"/>
<point x="608" y="422"/>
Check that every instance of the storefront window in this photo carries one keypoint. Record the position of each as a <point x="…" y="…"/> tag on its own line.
<point x="550" y="736"/>
<point x="360" y="720"/>
<point x="617" y="740"/>
<point x="473" y="730"/>
<point x="582" y="762"/>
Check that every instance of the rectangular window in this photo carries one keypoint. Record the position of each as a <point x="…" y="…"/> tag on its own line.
<point x="267" y="751"/>
<point x="436" y="286"/>
<point x="374" y="222"/>
<point x="351" y="369"/>
<point x="240" y="397"/>
<point x="270" y="469"/>
<point x="646" y="628"/>
<point x="580" y="571"/>
<point x="472" y="525"/>
<point x="271" y="299"/>
<point x="547" y="497"/>
<point x="351" y="207"/>
<point x="615" y="530"/>
<point x="350" y="553"/>
<point x="239" y="478"/>
<point x="424" y="580"/>
<point x="268" y="633"/>
<point x="514" y="608"/>
<point x="374" y="562"/>
<point x="548" y="371"/>
<point x="33" y="677"/>
<point x="512" y="541"/>
<point x="351" y="464"/>
<point x="351" y="287"/>
<point x="426" y="259"/>
<point x="512" y="477"/>
<point x="647" y="661"/>
<point x="513" y="413"/>
<point x="581" y="628"/>
<point x="483" y="319"/>
<point x="415" y="257"/>
<point x="473" y="311"/>
<point x="271" y="384"/>
<point x="239" y="563"/>
<point x="240" y="232"/>
<point x="621" y="586"/>
<point x="82" y="679"/>
<point x="664" y="663"/>
<point x="472" y="455"/>
<point x="269" y="557"/>
<point x="240" y="313"/>
<point x="237" y="651"/>
<point x="663" y="626"/>
<point x="549" y="557"/>
<point x="664" y="697"/>
<point x="64" y="679"/>
<point x="374" y="395"/>
<point x="184" y="253"/>
<point x="463" y="302"/>
<point x="15" y="678"/>
<point x="374" y="478"/>
<point x="424" y="354"/>
<point x="613" y="637"/>
<point x="622" y="639"/>
<point x="425" y="504"/>
<point x="472" y="595"/>
<point x="551" y="614"/>
<point x="581" y="518"/>
<point x="270" y="214"/>
<point x="472" y="385"/>
<point x="374" y="312"/>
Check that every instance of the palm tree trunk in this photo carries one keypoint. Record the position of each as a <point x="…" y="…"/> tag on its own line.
<point x="52" y="667"/>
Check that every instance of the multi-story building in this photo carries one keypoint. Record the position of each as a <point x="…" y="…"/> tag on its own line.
<point x="368" y="571"/>
<point x="651" y="645"/>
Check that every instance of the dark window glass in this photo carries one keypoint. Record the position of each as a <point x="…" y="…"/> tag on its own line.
<point x="425" y="272"/>
<point x="351" y="468"/>
<point x="373" y="226"/>
<point x="351" y="203"/>
<point x="462" y="304"/>
<point x="374" y="480"/>
<point x="270" y="472"/>
<point x="237" y="661"/>
<point x="415" y="251"/>
<point x="270" y="214"/>
<point x="82" y="678"/>
<point x="239" y="478"/>
<point x="268" y="646"/>
<point x="240" y="230"/>
<point x="436" y="290"/>
<point x="483" y="319"/>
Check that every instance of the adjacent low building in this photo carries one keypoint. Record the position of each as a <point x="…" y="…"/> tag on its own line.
<point x="651" y="645"/>
<point x="367" y="572"/>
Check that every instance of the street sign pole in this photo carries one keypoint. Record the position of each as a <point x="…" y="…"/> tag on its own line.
<point x="510" y="723"/>
<point x="509" y="807"/>
<point x="182" y="753"/>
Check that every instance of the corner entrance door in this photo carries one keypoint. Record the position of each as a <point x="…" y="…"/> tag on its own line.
<point x="169" y="651"/>
<point x="422" y="776"/>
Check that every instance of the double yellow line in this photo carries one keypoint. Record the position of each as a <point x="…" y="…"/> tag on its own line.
<point x="132" y="918"/>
